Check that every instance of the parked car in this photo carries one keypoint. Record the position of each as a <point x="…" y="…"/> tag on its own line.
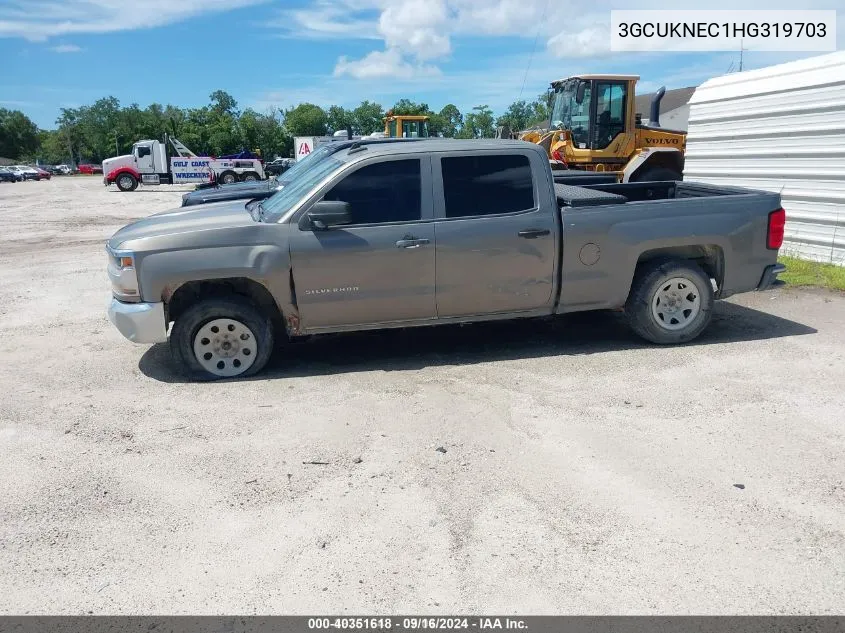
<point x="278" y="166"/>
<point x="6" y="175"/>
<point x="17" y="172"/>
<point x="43" y="174"/>
<point x="28" y="172"/>
<point x="90" y="169"/>
<point x="61" y="170"/>
<point x="312" y="258"/>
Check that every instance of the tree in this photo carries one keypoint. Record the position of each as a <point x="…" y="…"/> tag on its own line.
<point x="406" y="106"/>
<point x="223" y="103"/>
<point x="518" y="115"/>
<point x="18" y="134"/>
<point x="541" y="109"/>
<point x="338" y="118"/>
<point x="306" y="119"/>
<point x="368" y="117"/>
<point x="450" y="120"/>
<point x="478" y="123"/>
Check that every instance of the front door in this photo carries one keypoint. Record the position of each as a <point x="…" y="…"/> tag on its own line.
<point x="495" y="246"/>
<point x="380" y="268"/>
<point x="144" y="159"/>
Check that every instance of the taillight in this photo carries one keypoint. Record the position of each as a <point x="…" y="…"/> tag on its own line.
<point x="777" y="222"/>
<point x="556" y="155"/>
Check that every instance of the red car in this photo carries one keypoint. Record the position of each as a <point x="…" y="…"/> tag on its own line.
<point x="90" y="169"/>
<point x="43" y="174"/>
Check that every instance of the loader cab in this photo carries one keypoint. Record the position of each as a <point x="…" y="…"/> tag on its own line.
<point x="405" y="126"/>
<point x="597" y="111"/>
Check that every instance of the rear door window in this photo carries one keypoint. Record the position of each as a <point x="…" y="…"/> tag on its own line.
<point x="487" y="185"/>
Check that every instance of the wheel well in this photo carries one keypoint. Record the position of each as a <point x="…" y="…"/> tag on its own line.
<point x="668" y="160"/>
<point x="187" y="294"/>
<point x="709" y="256"/>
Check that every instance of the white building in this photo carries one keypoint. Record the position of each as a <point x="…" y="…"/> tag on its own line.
<point x="780" y="128"/>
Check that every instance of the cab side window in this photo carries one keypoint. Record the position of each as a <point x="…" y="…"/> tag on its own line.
<point x="389" y="191"/>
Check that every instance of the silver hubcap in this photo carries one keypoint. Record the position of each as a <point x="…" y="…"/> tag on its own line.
<point x="249" y="178"/>
<point x="225" y="347"/>
<point x="126" y="182"/>
<point x="228" y="179"/>
<point x="676" y="303"/>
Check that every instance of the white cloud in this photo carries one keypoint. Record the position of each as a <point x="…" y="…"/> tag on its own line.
<point x="66" y="48"/>
<point x="38" y="20"/>
<point x="378" y="64"/>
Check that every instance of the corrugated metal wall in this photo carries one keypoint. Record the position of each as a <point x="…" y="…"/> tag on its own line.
<point x="780" y="128"/>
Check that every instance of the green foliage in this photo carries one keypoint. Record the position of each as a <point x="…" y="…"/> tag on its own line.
<point x="406" y="106"/>
<point x="18" y="134"/>
<point x="338" y="118"/>
<point x="802" y="272"/>
<point x="478" y="124"/>
<point x="306" y="119"/>
<point x="368" y="117"/>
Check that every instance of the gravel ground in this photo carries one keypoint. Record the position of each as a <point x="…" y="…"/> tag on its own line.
<point x="529" y="467"/>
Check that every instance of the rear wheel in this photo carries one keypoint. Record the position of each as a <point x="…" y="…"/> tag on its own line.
<point x="225" y="337"/>
<point x="250" y="177"/>
<point x="227" y="178"/>
<point x="126" y="182"/>
<point x="671" y="301"/>
<point x="657" y="174"/>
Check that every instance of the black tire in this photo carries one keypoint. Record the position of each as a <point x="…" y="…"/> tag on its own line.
<point x="227" y="178"/>
<point x="126" y="182"/>
<point x="655" y="277"/>
<point x="250" y="176"/>
<point x="656" y="174"/>
<point x="232" y="307"/>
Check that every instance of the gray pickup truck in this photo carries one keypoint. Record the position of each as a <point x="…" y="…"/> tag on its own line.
<point x="436" y="231"/>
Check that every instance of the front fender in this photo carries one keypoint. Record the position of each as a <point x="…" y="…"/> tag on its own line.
<point x="114" y="173"/>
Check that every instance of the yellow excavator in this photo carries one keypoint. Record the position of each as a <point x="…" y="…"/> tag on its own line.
<point x="405" y="125"/>
<point x="594" y="126"/>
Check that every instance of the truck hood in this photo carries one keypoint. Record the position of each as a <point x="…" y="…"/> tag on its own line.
<point x="110" y="164"/>
<point x="238" y="191"/>
<point x="168" y="224"/>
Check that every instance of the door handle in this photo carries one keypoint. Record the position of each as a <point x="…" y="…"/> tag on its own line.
<point x="412" y="242"/>
<point x="531" y="234"/>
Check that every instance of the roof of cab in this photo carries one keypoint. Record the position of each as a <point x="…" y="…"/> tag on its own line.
<point x="440" y="145"/>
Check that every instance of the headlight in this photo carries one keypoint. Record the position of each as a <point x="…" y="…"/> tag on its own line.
<point x="124" y="280"/>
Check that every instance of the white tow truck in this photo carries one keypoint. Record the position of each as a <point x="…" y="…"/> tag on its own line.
<point x="148" y="164"/>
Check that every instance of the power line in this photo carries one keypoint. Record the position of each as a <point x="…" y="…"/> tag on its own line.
<point x="533" y="49"/>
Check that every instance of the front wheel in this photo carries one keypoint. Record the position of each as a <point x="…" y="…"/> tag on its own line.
<point x="671" y="301"/>
<point x="225" y="337"/>
<point x="126" y="182"/>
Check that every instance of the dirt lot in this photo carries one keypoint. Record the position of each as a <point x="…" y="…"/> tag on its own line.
<point x="582" y="471"/>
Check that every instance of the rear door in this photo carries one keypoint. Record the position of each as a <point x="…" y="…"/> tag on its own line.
<point x="379" y="269"/>
<point x="495" y="246"/>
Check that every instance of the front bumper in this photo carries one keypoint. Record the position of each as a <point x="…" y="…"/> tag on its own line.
<point x="139" y="322"/>
<point x="770" y="277"/>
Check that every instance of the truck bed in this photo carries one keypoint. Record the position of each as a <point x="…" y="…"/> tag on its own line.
<point x="590" y="195"/>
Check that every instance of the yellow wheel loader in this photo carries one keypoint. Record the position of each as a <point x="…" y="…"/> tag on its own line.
<point x="594" y="127"/>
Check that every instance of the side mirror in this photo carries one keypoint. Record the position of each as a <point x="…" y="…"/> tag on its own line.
<point x="579" y="92"/>
<point x="328" y="213"/>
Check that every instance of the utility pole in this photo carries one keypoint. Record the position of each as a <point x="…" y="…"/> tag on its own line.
<point x="741" y="49"/>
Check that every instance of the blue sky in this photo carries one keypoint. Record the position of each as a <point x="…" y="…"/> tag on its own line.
<point x="273" y="53"/>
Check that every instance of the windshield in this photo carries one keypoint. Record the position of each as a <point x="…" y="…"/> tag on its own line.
<point x="274" y="207"/>
<point x="303" y="164"/>
<point x="569" y="115"/>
